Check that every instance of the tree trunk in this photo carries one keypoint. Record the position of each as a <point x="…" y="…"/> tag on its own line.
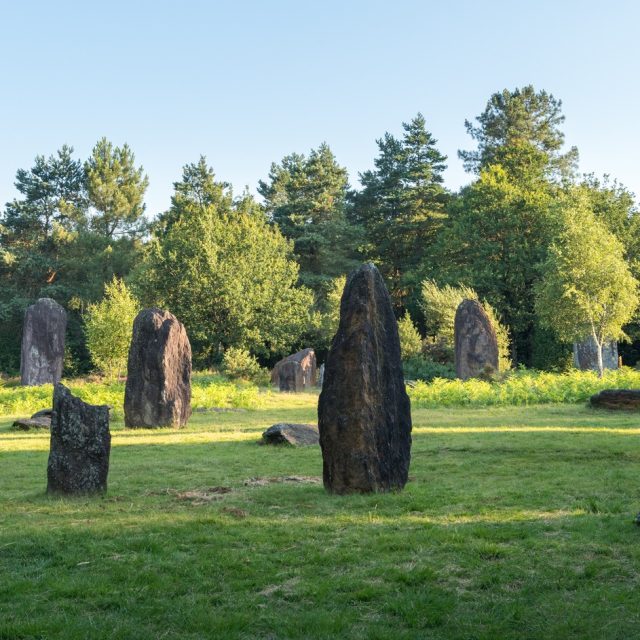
<point x="599" y="345"/>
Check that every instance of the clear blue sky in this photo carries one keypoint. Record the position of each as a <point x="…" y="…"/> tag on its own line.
<point x="246" y="83"/>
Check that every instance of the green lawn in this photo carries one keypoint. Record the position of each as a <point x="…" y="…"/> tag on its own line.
<point x="516" y="523"/>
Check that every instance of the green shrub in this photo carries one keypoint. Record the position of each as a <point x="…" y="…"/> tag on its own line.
<point x="240" y="364"/>
<point x="410" y="339"/>
<point x="521" y="388"/>
<point x="421" y="368"/>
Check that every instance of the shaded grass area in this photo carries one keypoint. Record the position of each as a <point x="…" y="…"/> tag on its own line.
<point x="516" y="523"/>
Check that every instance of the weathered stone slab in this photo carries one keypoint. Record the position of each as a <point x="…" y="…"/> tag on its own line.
<point x="291" y="376"/>
<point x="585" y="355"/>
<point x="298" y="435"/>
<point x="158" y="389"/>
<point x="307" y="360"/>
<point x="364" y="414"/>
<point x="43" y="335"/>
<point x="80" y="445"/>
<point x="476" y="345"/>
<point x="628" y="399"/>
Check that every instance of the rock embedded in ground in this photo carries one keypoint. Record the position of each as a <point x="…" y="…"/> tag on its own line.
<point x="158" y="389"/>
<point x="80" y="445"/>
<point x="32" y="424"/>
<point x="43" y="337"/>
<point x="627" y="399"/>
<point x="298" y="435"/>
<point x="364" y="414"/>
<point x="307" y="361"/>
<point x="476" y="345"/>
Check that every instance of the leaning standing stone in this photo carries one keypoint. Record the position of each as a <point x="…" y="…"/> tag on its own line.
<point x="307" y="361"/>
<point x="158" y="389"/>
<point x="364" y="415"/>
<point x="42" y="353"/>
<point x="291" y="376"/>
<point x="80" y="445"/>
<point x="476" y="345"/>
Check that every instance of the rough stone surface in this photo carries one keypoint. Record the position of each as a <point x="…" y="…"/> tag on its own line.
<point x="291" y="376"/>
<point x="298" y="435"/>
<point x="585" y="355"/>
<point x="80" y="445"/>
<point x="32" y="424"/>
<point x="476" y="345"/>
<point x="307" y="360"/>
<point x="158" y="389"/>
<point x="42" y="353"/>
<point x="364" y="414"/>
<point x="628" y="399"/>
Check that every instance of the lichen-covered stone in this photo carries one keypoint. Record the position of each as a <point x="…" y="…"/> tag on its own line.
<point x="364" y="414"/>
<point x="476" y="345"/>
<point x="307" y="361"/>
<point x="43" y="334"/>
<point x="297" y="435"/>
<point x="158" y="389"/>
<point x="80" y="445"/>
<point x="585" y="355"/>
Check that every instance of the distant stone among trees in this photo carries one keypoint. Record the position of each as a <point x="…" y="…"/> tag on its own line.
<point x="297" y="372"/>
<point x="158" y="389"/>
<point x="43" y="337"/>
<point x="476" y="345"/>
<point x="364" y="414"/>
<point x="80" y="445"/>
<point x="585" y="355"/>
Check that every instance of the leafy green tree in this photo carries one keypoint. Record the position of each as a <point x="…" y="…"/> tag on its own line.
<point x="116" y="190"/>
<point x="587" y="288"/>
<point x="330" y="312"/>
<point x="306" y="198"/>
<point x="410" y="339"/>
<point x="401" y="206"/>
<point x="109" y="327"/>
<point x="224" y="271"/>
<point x="518" y="130"/>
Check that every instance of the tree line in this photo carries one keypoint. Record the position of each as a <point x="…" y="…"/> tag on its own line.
<point x="553" y="254"/>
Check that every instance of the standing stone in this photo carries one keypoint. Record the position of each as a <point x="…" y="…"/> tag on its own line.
<point x="364" y="414"/>
<point x="307" y="360"/>
<point x="291" y="376"/>
<point x="80" y="445"/>
<point x="42" y="353"/>
<point x="585" y="355"/>
<point x="158" y="389"/>
<point x="321" y="375"/>
<point x="476" y="345"/>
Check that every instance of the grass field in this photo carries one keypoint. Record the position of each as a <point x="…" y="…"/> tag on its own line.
<point x="516" y="523"/>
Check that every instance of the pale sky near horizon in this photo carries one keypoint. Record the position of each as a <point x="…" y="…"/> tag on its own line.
<point x="248" y="82"/>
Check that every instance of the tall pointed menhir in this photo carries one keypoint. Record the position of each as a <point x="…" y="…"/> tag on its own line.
<point x="364" y="414"/>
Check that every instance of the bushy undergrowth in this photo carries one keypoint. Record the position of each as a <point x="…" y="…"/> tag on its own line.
<point x="207" y="391"/>
<point x="520" y="388"/>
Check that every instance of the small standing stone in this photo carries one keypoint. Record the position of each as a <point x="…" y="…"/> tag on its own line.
<point x="307" y="360"/>
<point x="291" y="376"/>
<point x="476" y="345"/>
<point x="321" y="375"/>
<point x="80" y="445"/>
<point x="158" y="389"/>
<point x="585" y="355"/>
<point x="364" y="414"/>
<point x="42" y="353"/>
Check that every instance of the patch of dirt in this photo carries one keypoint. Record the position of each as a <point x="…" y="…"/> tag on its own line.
<point x="263" y="482"/>
<point x="235" y="512"/>
<point x="195" y="496"/>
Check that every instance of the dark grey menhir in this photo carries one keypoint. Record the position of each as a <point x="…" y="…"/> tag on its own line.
<point x="43" y="336"/>
<point x="364" y="413"/>
<point x="80" y="445"/>
<point x="158" y="389"/>
<point x="476" y="344"/>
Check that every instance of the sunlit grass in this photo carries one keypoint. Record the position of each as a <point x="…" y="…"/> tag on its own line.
<point x="516" y="523"/>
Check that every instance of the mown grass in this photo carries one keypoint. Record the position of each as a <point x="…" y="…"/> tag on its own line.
<point x="521" y="388"/>
<point x="516" y="523"/>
